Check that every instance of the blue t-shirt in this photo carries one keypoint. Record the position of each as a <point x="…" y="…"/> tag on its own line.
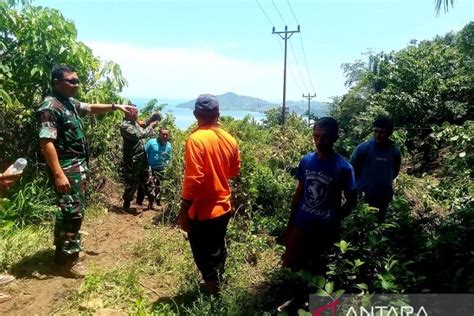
<point x="375" y="168"/>
<point x="323" y="181"/>
<point x="158" y="154"/>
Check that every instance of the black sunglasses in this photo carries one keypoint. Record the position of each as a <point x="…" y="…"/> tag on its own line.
<point x="72" y="81"/>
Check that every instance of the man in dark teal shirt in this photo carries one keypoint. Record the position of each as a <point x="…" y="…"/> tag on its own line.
<point x="159" y="152"/>
<point x="376" y="164"/>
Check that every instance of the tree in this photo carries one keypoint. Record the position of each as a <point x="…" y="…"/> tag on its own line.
<point x="425" y="84"/>
<point x="32" y="41"/>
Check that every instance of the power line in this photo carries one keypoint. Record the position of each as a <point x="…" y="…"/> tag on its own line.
<point x="298" y="67"/>
<point x="278" y="11"/>
<point x="292" y="12"/>
<point x="302" y="45"/>
<point x="264" y="13"/>
<point x="292" y="73"/>
<point x="285" y="37"/>
<point x="306" y="62"/>
<point x="303" y="81"/>
<point x="281" y="47"/>
<point x="279" y="43"/>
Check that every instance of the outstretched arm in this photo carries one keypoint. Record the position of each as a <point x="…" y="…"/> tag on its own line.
<point x="103" y="108"/>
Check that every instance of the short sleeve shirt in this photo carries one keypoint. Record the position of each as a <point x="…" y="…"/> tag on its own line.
<point x="158" y="154"/>
<point x="323" y="181"/>
<point x="59" y="119"/>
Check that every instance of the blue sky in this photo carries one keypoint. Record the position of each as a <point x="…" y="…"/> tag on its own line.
<point x="179" y="49"/>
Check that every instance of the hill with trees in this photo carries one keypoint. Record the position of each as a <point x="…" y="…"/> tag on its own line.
<point x="231" y="101"/>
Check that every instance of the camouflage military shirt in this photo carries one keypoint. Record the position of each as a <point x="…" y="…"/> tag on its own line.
<point x="134" y="141"/>
<point x="59" y="119"/>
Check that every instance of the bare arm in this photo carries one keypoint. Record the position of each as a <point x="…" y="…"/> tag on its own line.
<point x="183" y="218"/>
<point x="351" y="202"/>
<point x="350" y="193"/>
<point x="397" y="163"/>
<point x="60" y="180"/>
<point x="295" y="203"/>
<point x="103" y="108"/>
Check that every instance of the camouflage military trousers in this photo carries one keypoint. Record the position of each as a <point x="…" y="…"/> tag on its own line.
<point x="67" y="238"/>
<point x="136" y="176"/>
<point x="157" y="177"/>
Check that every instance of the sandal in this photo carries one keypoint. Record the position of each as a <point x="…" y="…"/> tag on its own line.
<point x="4" y="297"/>
<point x="6" y="278"/>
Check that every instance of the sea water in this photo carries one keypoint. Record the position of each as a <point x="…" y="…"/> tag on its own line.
<point x="184" y="116"/>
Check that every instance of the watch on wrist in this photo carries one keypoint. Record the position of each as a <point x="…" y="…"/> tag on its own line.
<point x="113" y="107"/>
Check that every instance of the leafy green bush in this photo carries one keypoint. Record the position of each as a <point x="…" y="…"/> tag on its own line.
<point x="33" y="202"/>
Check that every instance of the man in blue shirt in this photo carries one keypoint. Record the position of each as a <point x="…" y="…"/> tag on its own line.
<point x="376" y="164"/>
<point x="159" y="152"/>
<point x="316" y="210"/>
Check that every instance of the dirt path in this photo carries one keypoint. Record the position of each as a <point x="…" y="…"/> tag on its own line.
<point x="37" y="289"/>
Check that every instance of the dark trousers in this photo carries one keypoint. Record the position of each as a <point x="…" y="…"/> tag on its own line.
<point x="157" y="175"/>
<point x="307" y="249"/>
<point x="137" y="180"/>
<point x="379" y="201"/>
<point x="207" y="239"/>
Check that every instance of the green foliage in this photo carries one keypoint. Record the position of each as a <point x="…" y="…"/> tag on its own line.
<point x="151" y="107"/>
<point x="21" y="243"/>
<point x="453" y="146"/>
<point x="31" y="203"/>
<point x="425" y="84"/>
<point x="373" y="256"/>
<point x="119" y="287"/>
<point x="32" y="41"/>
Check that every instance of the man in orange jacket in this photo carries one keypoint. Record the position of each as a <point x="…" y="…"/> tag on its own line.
<point x="211" y="158"/>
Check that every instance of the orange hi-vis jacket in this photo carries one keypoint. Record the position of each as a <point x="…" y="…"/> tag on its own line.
<point x="211" y="158"/>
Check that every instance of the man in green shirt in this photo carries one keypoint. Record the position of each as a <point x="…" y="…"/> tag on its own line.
<point x="65" y="149"/>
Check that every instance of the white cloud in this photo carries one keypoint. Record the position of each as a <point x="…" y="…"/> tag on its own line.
<point x="187" y="72"/>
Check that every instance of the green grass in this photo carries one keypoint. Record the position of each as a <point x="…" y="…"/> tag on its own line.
<point x="18" y="245"/>
<point x="161" y="279"/>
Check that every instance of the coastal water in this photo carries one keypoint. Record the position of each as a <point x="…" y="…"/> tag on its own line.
<point x="184" y="116"/>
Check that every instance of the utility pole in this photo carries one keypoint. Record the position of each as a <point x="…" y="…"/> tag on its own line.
<point x="309" y="96"/>
<point x="285" y="35"/>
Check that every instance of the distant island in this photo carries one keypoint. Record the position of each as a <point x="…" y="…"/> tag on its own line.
<point x="230" y="101"/>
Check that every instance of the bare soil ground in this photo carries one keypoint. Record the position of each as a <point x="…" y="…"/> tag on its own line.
<point x="106" y="240"/>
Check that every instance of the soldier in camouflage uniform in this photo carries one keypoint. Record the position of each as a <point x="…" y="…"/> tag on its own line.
<point x="64" y="146"/>
<point x="135" y="172"/>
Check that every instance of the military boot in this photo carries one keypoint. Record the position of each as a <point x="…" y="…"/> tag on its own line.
<point x="126" y="206"/>
<point x="151" y="204"/>
<point x="69" y="266"/>
<point x="78" y="269"/>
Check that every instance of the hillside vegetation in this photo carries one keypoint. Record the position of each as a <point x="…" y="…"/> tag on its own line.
<point x="426" y="244"/>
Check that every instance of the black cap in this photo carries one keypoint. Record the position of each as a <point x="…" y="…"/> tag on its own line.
<point x="207" y="105"/>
